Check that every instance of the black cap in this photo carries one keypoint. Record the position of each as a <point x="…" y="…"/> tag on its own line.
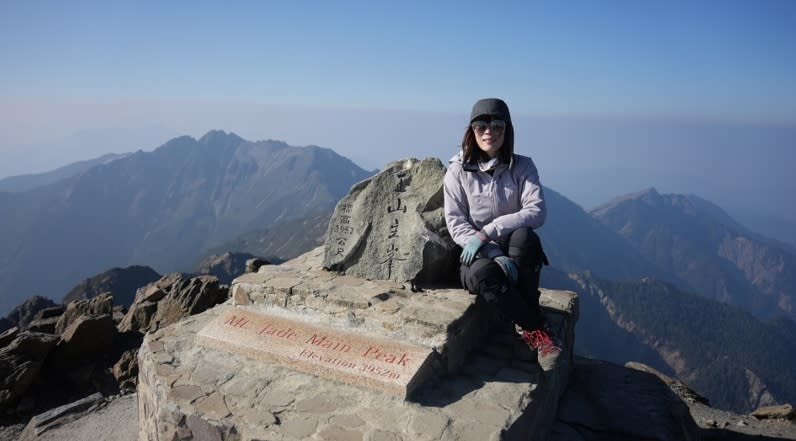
<point x="493" y="107"/>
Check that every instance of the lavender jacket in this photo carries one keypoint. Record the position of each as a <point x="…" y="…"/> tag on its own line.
<point x="497" y="204"/>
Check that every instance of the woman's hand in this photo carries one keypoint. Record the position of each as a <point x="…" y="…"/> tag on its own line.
<point x="471" y="248"/>
<point x="508" y="267"/>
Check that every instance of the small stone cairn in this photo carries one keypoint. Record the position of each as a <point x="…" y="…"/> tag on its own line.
<point x="357" y="340"/>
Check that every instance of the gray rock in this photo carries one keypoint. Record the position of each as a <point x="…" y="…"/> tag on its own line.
<point x="229" y="265"/>
<point x="51" y="312"/>
<point x="23" y="314"/>
<point x="88" y="336"/>
<point x="20" y="363"/>
<point x="99" y="305"/>
<point x="35" y="345"/>
<point x="46" y="325"/>
<point x="784" y="411"/>
<point x="125" y="371"/>
<point x="607" y="401"/>
<point x="8" y="336"/>
<point x="392" y="227"/>
<point x="170" y="299"/>
<point x="203" y="431"/>
<point x="681" y="389"/>
<point x="60" y="415"/>
<point x="252" y="265"/>
<point x="300" y="428"/>
<point x="46" y="319"/>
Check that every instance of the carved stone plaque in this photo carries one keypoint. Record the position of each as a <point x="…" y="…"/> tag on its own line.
<point x="374" y="363"/>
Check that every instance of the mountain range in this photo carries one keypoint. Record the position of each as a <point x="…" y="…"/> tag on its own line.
<point x="723" y="352"/>
<point x="21" y="183"/>
<point x="162" y="209"/>
<point x="668" y="280"/>
<point x="706" y="251"/>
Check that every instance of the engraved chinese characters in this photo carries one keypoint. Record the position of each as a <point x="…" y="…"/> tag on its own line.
<point x="391" y="226"/>
<point x="342" y="228"/>
<point x="395" y="209"/>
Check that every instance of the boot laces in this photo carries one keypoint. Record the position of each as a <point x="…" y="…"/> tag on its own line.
<point x="541" y="341"/>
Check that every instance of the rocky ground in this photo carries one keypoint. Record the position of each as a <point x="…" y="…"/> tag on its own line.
<point x="718" y="424"/>
<point x="774" y="423"/>
<point x="118" y="420"/>
<point x="11" y="433"/>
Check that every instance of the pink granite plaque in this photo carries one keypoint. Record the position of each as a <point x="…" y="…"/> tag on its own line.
<point x="375" y="363"/>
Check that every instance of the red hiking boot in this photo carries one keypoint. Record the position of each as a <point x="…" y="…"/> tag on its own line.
<point x="547" y="351"/>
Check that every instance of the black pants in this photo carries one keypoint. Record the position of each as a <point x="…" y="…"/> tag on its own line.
<point x="520" y="303"/>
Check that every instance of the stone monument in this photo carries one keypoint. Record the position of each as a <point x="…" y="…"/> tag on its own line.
<point x="392" y="226"/>
<point x="342" y="343"/>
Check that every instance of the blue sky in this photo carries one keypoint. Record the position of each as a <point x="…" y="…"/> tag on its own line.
<point x="377" y="81"/>
<point x="714" y="59"/>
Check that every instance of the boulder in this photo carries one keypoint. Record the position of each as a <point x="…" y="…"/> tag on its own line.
<point x="23" y="314"/>
<point x="253" y="265"/>
<point x="125" y="371"/>
<point x="227" y="266"/>
<point x="8" y="335"/>
<point x="391" y="226"/>
<point x="170" y="299"/>
<point x="46" y="319"/>
<point x="51" y="312"/>
<point x="34" y="345"/>
<point x="681" y="389"/>
<point x="60" y="415"/>
<point x="99" y="305"/>
<point x="118" y="313"/>
<point x="20" y="363"/>
<point x="86" y="337"/>
<point x="46" y="325"/>
<point x="784" y="411"/>
<point x="607" y="401"/>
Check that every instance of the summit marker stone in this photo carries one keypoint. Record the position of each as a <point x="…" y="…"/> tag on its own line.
<point x="392" y="226"/>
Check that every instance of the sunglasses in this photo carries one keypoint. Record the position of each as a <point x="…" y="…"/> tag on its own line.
<point x="496" y="126"/>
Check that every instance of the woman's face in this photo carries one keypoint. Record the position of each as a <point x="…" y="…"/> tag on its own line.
<point x="489" y="135"/>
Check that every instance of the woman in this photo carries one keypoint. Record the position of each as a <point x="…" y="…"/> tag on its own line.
<point x="493" y="201"/>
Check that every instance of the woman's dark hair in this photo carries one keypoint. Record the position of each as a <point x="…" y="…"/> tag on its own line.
<point x="471" y="152"/>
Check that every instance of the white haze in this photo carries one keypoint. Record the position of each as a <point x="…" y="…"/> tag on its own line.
<point x="743" y="167"/>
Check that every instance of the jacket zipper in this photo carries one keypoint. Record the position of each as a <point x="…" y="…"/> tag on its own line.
<point x="493" y="195"/>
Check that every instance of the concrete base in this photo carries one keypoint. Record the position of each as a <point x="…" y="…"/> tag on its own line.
<point x="187" y="390"/>
<point x="485" y="384"/>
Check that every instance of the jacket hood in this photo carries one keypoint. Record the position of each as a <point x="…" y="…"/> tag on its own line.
<point x="457" y="159"/>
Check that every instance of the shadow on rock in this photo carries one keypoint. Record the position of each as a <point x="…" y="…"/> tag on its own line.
<point x="502" y="358"/>
<point x="728" y="435"/>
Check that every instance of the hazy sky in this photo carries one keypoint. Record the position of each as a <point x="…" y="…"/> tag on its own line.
<point x="382" y="80"/>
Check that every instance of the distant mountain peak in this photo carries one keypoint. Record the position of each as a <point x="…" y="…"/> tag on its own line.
<point x="648" y="196"/>
<point x="656" y="204"/>
<point x="162" y="207"/>
<point x="220" y="136"/>
<point x="708" y="251"/>
<point x="651" y="191"/>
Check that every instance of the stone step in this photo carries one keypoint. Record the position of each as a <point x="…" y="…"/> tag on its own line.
<point x="443" y="321"/>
